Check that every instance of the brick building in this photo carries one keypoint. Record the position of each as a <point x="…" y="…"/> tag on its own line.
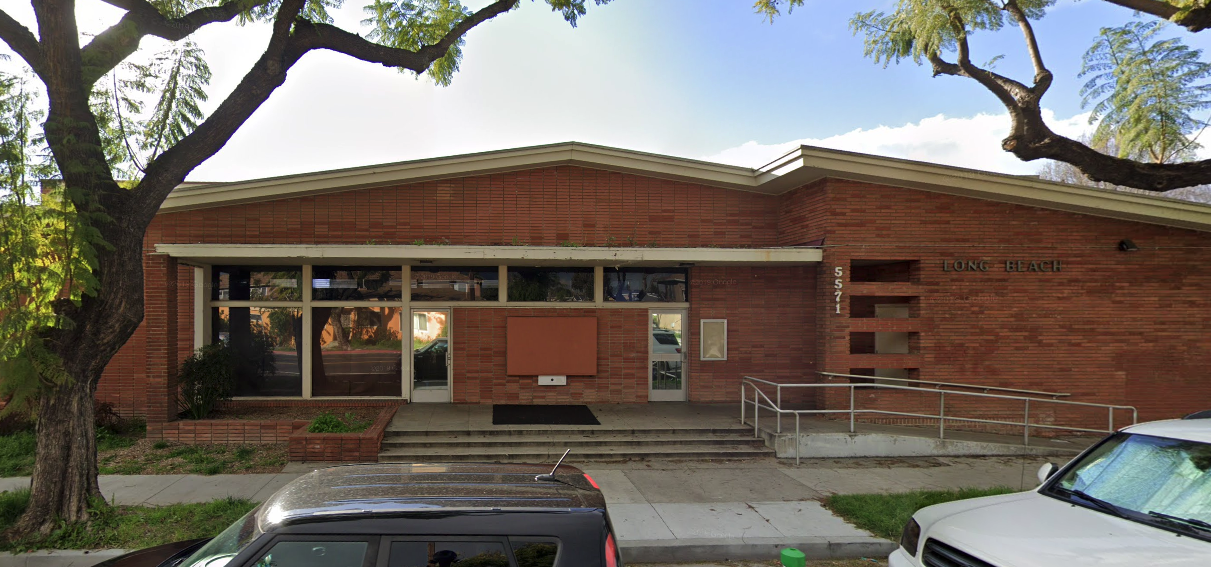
<point x="577" y="273"/>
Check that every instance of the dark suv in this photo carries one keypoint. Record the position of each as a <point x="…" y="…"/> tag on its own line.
<point x="412" y="515"/>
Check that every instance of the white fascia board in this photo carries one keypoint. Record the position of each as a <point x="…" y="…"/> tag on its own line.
<point x="274" y="254"/>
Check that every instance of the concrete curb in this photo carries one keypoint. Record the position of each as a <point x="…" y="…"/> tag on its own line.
<point x="756" y="548"/>
<point x="58" y="558"/>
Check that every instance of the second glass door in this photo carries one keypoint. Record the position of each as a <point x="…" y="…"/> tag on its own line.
<point x="667" y="355"/>
<point x="431" y="355"/>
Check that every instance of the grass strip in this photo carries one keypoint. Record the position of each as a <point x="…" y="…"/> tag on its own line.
<point x="17" y="453"/>
<point x="125" y="527"/>
<point x="885" y="514"/>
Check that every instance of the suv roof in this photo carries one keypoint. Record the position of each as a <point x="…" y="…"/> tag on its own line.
<point x="1188" y="429"/>
<point x="371" y="490"/>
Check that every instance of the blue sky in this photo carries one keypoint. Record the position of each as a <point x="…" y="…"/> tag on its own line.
<point x="704" y="79"/>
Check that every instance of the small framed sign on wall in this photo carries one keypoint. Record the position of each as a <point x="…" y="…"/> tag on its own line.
<point x="714" y="339"/>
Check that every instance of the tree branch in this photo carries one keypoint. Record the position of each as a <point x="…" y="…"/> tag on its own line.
<point x="22" y="41"/>
<point x="1042" y="76"/>
<point x="112" y="46"/>
<point x="324" y="36"/>
<point x="1194" y="19"/>
<point x="292" y="38"/>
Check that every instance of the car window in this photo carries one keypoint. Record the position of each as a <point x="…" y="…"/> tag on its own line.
<point x="218" y="551"/>
<point x="447" y="553"/>
<point x="535" y="553"/>
<point x="315" y="553"/>
<point x="1153" y="477"/>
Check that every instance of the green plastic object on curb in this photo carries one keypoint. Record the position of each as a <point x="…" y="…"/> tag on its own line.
<point x="792" y="557"/>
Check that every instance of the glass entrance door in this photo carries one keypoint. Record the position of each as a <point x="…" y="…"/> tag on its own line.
<point x="667" y="355"/>
<point x="431" y="358"/>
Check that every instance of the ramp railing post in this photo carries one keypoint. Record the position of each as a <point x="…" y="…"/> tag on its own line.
<point x="778" y="403"/>
<point x="941" y="415"/>
<point x="1026" y="423"/>
<point x="851" y="407"/>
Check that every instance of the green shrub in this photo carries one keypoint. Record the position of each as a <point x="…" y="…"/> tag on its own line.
<point x="329" y="423"/>
<point x="17" y="453"/>
<point x="206" y="379"/>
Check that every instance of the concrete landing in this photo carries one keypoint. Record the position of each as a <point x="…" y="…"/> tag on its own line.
<point x="820" y="438"/>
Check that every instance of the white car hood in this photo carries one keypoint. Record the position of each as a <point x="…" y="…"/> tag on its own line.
<point x="1032" y="530"/>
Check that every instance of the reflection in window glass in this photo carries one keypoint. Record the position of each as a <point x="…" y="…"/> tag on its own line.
<point x="264" y="346"/>
<point x="256" y="283"/>
<point x="356" y="351"/>
<point x="315" y="554"/>
<point x="357" y="283"/>
<point x="447" y="554"/>
<point x="442" y="283"/>
<point x="535" y="553"/>
<point x="550" y="284"/>
<point x="647" y="284"/>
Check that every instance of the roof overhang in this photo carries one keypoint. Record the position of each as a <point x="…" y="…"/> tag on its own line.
<point x="366" y="254"/>
<point x="800" y="167"/>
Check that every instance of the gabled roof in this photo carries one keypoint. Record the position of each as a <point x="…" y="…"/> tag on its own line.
<point x="795" y="169"/>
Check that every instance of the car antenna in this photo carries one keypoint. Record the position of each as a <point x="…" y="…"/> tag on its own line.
<point x="551" y="475"/>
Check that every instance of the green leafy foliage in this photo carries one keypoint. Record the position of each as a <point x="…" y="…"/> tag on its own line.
<point x="330" y="423"/>
<point x="17" y="453"/>
<point x="919" y="28"/>
<point x="206" y="378"/>
<point x="411" y="24"/>
<point x="1144" y="91"/>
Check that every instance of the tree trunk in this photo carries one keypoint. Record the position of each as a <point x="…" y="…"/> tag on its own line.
<point x="65" y="469"/>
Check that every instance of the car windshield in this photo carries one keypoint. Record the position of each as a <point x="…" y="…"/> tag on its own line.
<point x="218" y="551"/>
<point x="1155" y="480"/>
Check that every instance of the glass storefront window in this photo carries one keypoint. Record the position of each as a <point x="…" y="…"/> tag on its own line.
<point x="356" y="351"/>
<point x="550" y="284"/>
<point x="361" y="283"/>
<point x="451" y="283"/>
<point x="256" y="283"/>
<point x="659" y="285"/>
<point x="264" y="345"/>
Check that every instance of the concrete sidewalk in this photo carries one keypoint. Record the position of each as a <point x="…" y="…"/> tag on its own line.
<point x="664" y="511"/>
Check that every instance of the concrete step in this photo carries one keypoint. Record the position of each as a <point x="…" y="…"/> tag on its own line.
<point x="568" y="441"/>
<point x="541" y="454"/>
<point x="571" y="430"/>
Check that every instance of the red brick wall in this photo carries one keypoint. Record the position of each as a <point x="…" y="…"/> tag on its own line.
<point x="544" y="206"/>
<point x="225" y="431"/>
<point x="1111" y="327"/>
<point x="479" y="358"/>
<point x="770" y="327"/>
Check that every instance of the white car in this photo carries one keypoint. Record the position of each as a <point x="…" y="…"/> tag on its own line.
<point x="1140" y="497"/>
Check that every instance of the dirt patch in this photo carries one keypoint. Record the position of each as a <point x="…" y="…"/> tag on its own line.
<point x="294" y="412"/>
<point x="162" y="457"/>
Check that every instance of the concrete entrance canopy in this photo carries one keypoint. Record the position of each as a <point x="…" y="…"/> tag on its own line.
<point x="279" y="254"/>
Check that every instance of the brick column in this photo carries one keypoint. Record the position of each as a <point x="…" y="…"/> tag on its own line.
<point x="160" y="319"/>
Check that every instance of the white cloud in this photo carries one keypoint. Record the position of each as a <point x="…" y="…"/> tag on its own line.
<point x="971" y="142"/>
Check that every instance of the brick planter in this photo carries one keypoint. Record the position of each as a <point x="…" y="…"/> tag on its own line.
<point x="340" y="447"/>
<point x="225" y="431"/>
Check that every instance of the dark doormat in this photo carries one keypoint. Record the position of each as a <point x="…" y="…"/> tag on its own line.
<point x="510" y="414"/>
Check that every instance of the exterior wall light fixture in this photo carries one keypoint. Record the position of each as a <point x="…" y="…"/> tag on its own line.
<point x="1126" y="245"/>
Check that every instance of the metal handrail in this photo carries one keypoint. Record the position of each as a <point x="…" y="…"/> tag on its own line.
<point x="775" y="405"/>
<point x="954" y="384"/>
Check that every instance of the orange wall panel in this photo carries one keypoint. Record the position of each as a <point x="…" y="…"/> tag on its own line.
<point x="552" y="345"/>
